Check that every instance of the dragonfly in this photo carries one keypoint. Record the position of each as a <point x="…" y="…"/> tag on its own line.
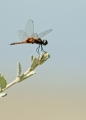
<point x="29" y="37"/>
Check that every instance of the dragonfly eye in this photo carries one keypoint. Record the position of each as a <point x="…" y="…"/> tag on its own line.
<point x="45" y="42"/>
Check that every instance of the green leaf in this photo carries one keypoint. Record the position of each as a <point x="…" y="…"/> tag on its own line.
<point x="3" y="82"/>
<point x="19" y="69"/>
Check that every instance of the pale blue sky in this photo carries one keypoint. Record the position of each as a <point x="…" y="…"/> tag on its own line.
<point x="66" y="69"/>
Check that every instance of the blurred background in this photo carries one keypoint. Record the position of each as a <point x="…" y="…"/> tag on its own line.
<point x="58" y="89"/>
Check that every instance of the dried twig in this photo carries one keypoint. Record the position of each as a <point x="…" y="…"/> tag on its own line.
<point x="34" y="63"/>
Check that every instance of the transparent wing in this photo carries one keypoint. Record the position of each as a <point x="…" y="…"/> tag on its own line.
<point x="34" y="35"/>
<point x="22" y="35"/>
<point x="44" y="33"/>
<point x="29" y="29"/>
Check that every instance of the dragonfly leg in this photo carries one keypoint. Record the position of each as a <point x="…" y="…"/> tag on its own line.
<point x="42" y="49"/>
<point x="38" y="49"/>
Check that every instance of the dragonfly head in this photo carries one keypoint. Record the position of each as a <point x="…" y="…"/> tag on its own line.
<point x="44" y="42"/>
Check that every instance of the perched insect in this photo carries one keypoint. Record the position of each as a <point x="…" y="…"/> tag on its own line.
<point x="28" y="36"/>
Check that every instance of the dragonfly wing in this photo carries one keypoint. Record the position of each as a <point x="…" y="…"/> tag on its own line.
<point x="29" y="29"/>
<point x="44" y="33"/>
<point x="22" y="35"/>
<point x="34" y="35"/>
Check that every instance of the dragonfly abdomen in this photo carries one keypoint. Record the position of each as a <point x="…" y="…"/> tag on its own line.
<point x="17" y="43"/>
